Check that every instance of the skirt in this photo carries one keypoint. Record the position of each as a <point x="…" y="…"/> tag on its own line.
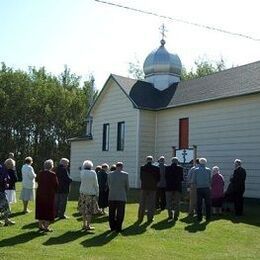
<point x="11" y="196"/>
<point x="4" y="205"/>
<point x="27" y="194"/>
<point x="88" y="205"/>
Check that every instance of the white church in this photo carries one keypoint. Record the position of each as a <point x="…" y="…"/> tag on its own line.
<point x="218" y="115"/>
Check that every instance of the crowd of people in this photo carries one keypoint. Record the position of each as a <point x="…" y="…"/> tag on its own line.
<point x="104" y="187"/>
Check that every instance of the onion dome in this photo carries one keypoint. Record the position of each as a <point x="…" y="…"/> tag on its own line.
<point x="160" y="65"/>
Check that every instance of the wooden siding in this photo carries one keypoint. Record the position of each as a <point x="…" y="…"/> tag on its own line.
<point x="114" y="107"/>
<point x="223" y="131"/>
<point x="147" y="136"/>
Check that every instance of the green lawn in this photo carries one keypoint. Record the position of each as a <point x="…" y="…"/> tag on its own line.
<point x="220" y="239"/>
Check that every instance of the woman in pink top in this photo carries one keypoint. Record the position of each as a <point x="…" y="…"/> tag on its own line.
<point x="217" y="190"/>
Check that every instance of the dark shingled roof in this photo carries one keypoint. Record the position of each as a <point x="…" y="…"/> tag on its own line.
<point x="232" y="82"/>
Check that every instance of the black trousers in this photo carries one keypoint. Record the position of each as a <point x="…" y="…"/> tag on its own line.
<point x="160" y="198"/>
<point x="238" y="203"/>
<point x="203" y="194"/>
<point x="116" y="214"/>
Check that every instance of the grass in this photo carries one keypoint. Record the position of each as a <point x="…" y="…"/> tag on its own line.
<point x="224" y="238"/>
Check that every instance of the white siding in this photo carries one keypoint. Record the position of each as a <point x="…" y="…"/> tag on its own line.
<point x="147" y="136"/>
<point x="223" y="131"/>
<point x="112" y="107"/>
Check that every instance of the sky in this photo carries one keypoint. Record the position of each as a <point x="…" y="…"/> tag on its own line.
<point x="99" y="39"/>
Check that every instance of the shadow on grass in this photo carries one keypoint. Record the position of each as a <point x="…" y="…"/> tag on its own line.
<point x="197" y="227"/>
<point x="135" y="229"/>
<point x="20" y="239"/>
<point x="96" y="219"/>
<point x="16" y="214"/>
<point x="31" y="225"/>
<point x="163" y="225"/>
<point x="100" y="240"/>
<point x="65" y="238"/>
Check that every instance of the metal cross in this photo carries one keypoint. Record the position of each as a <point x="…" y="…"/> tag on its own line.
<point x="162" y="31"/>
<point x="184" y="155"/>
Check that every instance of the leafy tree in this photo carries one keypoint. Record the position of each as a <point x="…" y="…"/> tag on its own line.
<point x="40" y="111"/>
<point x="203" y="68"/>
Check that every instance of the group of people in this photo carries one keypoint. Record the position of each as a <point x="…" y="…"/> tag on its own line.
<point x="50" y="187"/>
<point x="161" y="188"/>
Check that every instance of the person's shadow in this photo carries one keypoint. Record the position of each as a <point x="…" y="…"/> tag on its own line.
<point x="20" y="239"/>
<point x="99" y="240"/>
<point x="135" y="229"/>
<point x="65" y="238"/>
<point x="31" y="225"/>
<point x="197" y="227"/>
<point x="164" y="224"/>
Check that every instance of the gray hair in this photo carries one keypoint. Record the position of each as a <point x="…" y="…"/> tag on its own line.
<point x="28" y="160"/>
<point x="64" y="161"/>
<point x="9" y="163"/>
<point x="215" y="169"/>
<point x="48" y="164"/>
<point x="175" y="160"/>
<point x="203" y="161"/>
<point x="237" y="162"/>
<point x="87" y="164"/>
<point x="149" y="158"/>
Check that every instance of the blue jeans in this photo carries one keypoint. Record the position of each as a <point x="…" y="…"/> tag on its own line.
<point x="203" y="193"/>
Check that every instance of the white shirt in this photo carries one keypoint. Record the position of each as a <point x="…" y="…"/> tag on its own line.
<point x="89" y="182"/>
<point x="28" y="177"/>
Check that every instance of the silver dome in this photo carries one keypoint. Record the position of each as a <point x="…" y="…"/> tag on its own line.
<point x="160" y="61"/>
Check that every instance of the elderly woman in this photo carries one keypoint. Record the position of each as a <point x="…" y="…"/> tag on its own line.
<point x="45" y="196"/>
<point x="12" y="179"/>
<point x="217" y="190"/>
<point x="89" y="191"/>
<point x="103" y="188"/>
<point x="28" y="184"/>
<point x="4" y="205"/>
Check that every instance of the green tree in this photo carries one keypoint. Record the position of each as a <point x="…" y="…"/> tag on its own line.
<point x="40" y="111"/>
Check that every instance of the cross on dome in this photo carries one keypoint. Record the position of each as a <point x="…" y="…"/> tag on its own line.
<point x="162" y="31"/>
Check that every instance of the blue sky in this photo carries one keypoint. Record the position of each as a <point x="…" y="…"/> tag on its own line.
<point x="95" y="38"/>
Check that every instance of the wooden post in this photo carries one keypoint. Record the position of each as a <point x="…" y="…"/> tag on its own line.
<point x="173" y="151"/>
<point x="195" y="153"/>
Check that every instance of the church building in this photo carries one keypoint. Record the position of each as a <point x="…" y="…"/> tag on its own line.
<point x="218" y="115"/>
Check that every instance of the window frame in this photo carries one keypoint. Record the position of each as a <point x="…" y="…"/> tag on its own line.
<point x="120" y="136"/>
<point x="105" y="137"/>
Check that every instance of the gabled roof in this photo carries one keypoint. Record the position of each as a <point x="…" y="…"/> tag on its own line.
<point x="232" y="82"/>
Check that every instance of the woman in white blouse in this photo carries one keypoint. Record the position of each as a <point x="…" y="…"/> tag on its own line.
<point x="88" y="194"/>
<point x="28" y="183"/>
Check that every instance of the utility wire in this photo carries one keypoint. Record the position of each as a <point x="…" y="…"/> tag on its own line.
<point x="180" y="20"/>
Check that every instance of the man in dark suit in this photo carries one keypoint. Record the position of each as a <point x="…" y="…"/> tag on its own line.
<point x="61" y="197"/>
<point x="149" y="176"/>
<point x="238" y="185"/>
<point x="174" y="178"/>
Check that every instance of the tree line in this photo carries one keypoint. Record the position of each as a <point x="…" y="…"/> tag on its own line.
<point x="39" y="111"/>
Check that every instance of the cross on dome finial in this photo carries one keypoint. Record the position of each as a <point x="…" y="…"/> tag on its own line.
<point x="162" y="31"/>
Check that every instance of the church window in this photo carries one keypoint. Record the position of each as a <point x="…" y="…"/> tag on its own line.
<point x="184" y="133"/>
<point x="105" y="145"/>
<point x="120" y="136"/>
<point x="89" y="126"/>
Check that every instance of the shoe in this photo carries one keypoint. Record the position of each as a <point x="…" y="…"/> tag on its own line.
<point x="9" y="222"/>
<point x="27" y="211"/>
<point x="89" y="228"/>
<point x="48" y="230"/>
<point x="169" y="220"/>
<point x="63" y="217"/>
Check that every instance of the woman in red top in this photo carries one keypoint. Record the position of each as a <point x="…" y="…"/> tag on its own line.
<point x="45" y="196"/>
<point x="217" y="190"/>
